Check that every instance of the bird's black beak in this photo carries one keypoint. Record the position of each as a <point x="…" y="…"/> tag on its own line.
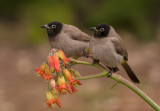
<point x="93" y="28"/>
<point x="45" y="26"/>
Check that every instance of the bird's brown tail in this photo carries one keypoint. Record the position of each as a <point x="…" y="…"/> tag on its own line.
<point x="130" y="73"/>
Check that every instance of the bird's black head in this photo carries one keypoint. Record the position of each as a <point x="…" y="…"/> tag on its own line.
<point x="101" y="30"/>
<point x="53" y="28"/>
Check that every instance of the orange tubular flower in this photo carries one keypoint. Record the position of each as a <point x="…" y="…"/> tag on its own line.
<point x="58" y="102"/>
<point x="62" y="57"/>
<point x="73" y="88"/>
<point x="48" y="73"/>
<point x="50" y="61"/>
<point x="56" y="62"/>
<point x="68" y="75"/>
<point x="41" y="69"/>
<point x="69" y="89"/>
<point x="62" y="84"/>
<point x="50" y="100"/>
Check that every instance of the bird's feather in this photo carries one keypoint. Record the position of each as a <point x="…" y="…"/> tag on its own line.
<point x="120" y="48"/>
<point x="77" y="34"/>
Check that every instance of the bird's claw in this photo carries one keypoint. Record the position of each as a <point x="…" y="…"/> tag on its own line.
<point x="112" y="70"/>
<point x="95" y="61"/>
<point x="109" y="74"/>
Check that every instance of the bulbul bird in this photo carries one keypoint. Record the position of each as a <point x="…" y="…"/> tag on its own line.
<point x="107" y="47"/>
<point x="71" y="40"/>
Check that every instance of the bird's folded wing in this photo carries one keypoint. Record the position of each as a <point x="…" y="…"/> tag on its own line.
<point x="81" y="37"/>
<point x="120" y="48"/>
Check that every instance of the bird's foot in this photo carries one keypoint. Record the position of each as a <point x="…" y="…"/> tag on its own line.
<point x="110" y="73"/>
<point x="115" y="69"/>
<point x="112" y="70"/>
<point x="95" y="61"/>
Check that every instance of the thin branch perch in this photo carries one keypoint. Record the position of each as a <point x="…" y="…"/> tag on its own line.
<point x="119" y="79"/>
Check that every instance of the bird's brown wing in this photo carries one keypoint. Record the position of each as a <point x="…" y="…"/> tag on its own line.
<point x="120" y="48"/>
<point x="76" y="34"/>
<point x="81" y="36"/>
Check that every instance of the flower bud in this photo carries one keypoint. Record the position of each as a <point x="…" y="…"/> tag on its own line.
<point x="50" y="61"/>
<point x="53" y="83"/>
<point x="75" y="73"/>
<point x="48" y="73"/>
<point x="50" y="100"/>
<point x="56" y="62"/>
<point x="41" y="69"/>
<point x="62" y="57"/>
<point x="68" y="75"/>
<point x="62" y="84"/>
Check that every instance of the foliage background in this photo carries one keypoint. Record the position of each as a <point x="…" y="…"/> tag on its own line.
<point x="24" y="46"/>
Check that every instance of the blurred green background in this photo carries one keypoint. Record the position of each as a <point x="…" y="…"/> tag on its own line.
<point x="24" y="46"/>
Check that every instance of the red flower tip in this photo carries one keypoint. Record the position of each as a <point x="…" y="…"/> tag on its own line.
<point x="73" y="89"/>
<point x="58" y="102"/>
<point x="78" y="82"/>
<point x="48" y="73"/>
<point x="56" y="62"/>
<point x="41" y="69"/>
<point x="69" y="89"/>
<point x="50" y="61"/>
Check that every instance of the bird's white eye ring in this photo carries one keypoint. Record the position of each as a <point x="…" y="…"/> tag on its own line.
<point x="101" y="29"/>
<point x="53" y="26"/>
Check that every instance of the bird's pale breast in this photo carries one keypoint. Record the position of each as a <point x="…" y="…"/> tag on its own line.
<point x="103" y="49"/>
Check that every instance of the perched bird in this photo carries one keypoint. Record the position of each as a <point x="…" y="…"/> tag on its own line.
<point x="107" y="47"/>
<point x="67" y="38"/>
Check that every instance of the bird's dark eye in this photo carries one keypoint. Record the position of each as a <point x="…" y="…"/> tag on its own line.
<point x="101" y="29"/>
<point x="53" y="26"/>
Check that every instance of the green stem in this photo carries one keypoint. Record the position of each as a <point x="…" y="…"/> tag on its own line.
<point x="131" y="86"/>
<point x="92" y="76"/>
<point x="90" y="64"/>
<point x="121" y="80"/>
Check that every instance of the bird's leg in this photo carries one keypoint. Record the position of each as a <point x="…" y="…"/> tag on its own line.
<point x="112" y="70"/>
<point x="85" y="54"/>
<point x="95" y="61"/>
<point x="115" y="69"/>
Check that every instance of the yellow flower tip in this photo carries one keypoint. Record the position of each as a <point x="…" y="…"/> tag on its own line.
<point x="68" y="75"/>
<point x="62" y="84"/>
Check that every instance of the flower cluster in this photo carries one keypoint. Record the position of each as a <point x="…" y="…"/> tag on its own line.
<point x="61" y="78"/>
